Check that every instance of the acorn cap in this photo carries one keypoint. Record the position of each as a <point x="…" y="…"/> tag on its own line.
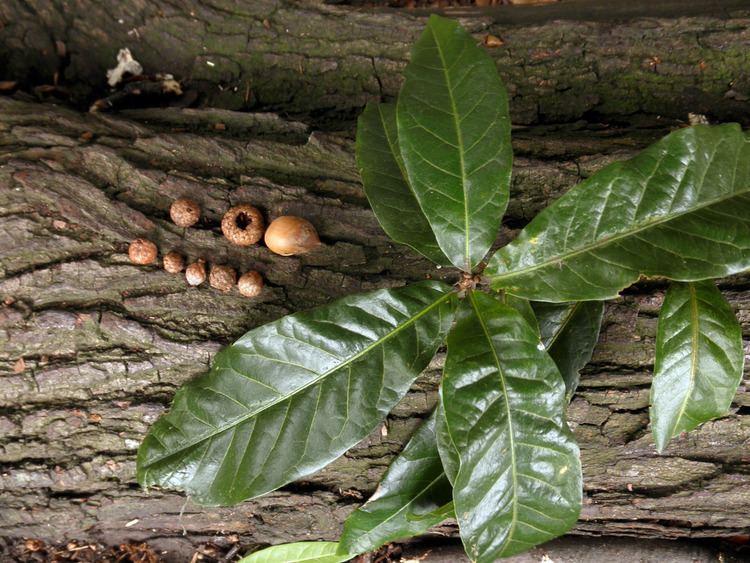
<point x="142" y="251"/>
<point x="195" y="273"/>
<point x="173" y="263"/>
<point x="184" y="212"/>
<point x="250" y="284"/>
<point x="243" y="225"/>
<point x="222" y="278"/>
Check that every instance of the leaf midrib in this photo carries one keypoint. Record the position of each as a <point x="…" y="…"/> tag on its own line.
<point x="459" y="138"/>
<point x="309" y="384"/>
<point x="314" y="556"/>
<point x="695" y="336"/>
<point x="568" y="317"/>
<point x="511" y="436"/>
<point x="607" y="240"/>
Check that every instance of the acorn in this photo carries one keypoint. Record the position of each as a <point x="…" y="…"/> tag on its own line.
<point x="289" y="235"/>
<point x="250" y="284"/>
<point x="222" y="278"/>
<point x="142" y="251"/>
<point x="242" y="225"/>
<point x="195" y="273"/>
<point x="173" y="263"/>
<point x="184" y="212"/>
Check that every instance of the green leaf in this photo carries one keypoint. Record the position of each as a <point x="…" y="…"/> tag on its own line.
<point x="386" y="187"/>
<point x="444" y="442"/>
<point x="524" y="307"/>
<point x="699" y="360"/>
<point x="289" y="397"/>
<point x="680" y="209"/>
<point x="454" y="133"/>
<point x="519" y="477"/>
<point x="301" y="552"/>
<point x="413" y="496"/>
<point x="570" y="332"/>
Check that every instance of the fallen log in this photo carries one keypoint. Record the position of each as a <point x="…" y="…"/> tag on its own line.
<point x="93" y="347"/>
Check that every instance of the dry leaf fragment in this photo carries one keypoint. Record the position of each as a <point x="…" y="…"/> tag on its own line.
<point x="492" y="41"/>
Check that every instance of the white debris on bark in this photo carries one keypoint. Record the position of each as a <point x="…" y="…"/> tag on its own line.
<point x="125" y="64"/>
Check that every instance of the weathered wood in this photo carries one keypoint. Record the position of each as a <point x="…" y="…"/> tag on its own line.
<point x="326" y="61"/>
<point x="104" y="344"/>
<point x="587" y="550"/>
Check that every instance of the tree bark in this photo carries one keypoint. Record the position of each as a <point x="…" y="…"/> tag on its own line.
<point x="93" y="347"/>
<point x="327" y="61"/>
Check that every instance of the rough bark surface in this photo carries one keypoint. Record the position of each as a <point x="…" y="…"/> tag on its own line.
<point x="92" y="348"/>
<point x="327" y="61"/>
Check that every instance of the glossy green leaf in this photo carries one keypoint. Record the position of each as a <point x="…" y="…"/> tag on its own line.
<point x="454" y="133"/>
<point x="519" y="476"/>
<point x="570" y="332"/>
<point x="386" y="187"/>
<point x="524" y="307"/>
<point x="301" y="552"/>
<point x="699" y="360"/>
<point x="444" y="442"/>
<point x="680" y="210"/>
<point x="413" y="496"/>
<point x="289" y="397"/>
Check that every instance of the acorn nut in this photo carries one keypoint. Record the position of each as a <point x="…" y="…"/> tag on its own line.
<point x="195" y="273"/>
<point x="250" y="284"/>
<point x="222" y="278"/>
<point x="142" y="251"/>
<point x="184" y="212"/>
<point x="288" y="235"/>
<point x="173" y="263"/>
<point x="242" y="225"/>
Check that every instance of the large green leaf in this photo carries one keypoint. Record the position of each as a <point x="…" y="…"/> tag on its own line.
<point x="454" y="133"/>
<point x="301" y="552"/>
<point x="569" y="332"/>
<point x="519" y="476"/>
<point x="386" y="187"/>
<point x="699" y="360"/>
<point x="680" y="209"/>
<point x="290" y="396"/>
<point x="414" y="495"/>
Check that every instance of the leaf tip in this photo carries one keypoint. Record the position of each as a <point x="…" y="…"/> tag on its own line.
<point x="660" y="443"/>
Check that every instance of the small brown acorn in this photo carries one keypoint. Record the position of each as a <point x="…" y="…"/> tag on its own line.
<point x="142" y="251"/>
<point x="243" y="225"/>
<point x="184" y="212"/>
<point x="173" y="263"/>
<point x="222" y="278"/>
<point x="289" y="235"/>
<point x="250" y="284"/>
<point x="195" y="273"/>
